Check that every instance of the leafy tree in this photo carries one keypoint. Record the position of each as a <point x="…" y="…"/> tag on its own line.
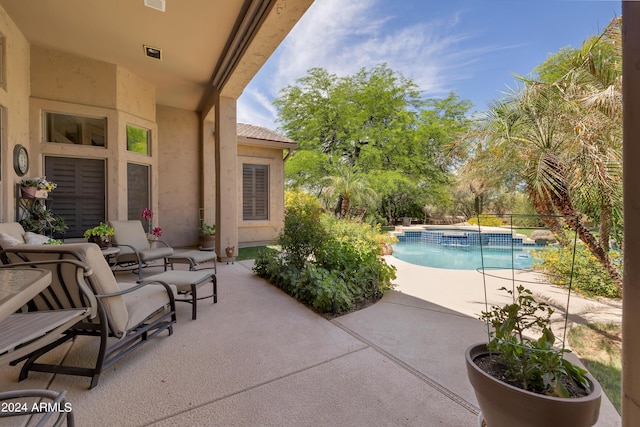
<point x="370" y="124"/>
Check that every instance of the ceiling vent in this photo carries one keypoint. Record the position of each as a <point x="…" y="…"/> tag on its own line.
<point x="155" y="4"/>
<point x="153" y="52"/>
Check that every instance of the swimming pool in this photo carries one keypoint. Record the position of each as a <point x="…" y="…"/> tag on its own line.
<point x="463" y="257"/>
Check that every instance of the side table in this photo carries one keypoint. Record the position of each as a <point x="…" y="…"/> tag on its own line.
<point x="109" y="253"/>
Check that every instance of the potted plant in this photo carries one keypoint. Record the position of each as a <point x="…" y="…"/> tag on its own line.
<point x="37" y="187"/>
<point x="39" y="219"/>
<point x="100" y="234"/>
<point x="207" y="236"/>
<point x="522" y="381"/>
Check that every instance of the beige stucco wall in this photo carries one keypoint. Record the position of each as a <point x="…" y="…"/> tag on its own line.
<point x="179" y="184"/>
<point x="262" y="231"/>
<point x="135" y="95"/>
<point x="61" y="76"/>
<point x="183" y="179"/>
<point x="14" y="100"/>
<point x="69" y="84"/>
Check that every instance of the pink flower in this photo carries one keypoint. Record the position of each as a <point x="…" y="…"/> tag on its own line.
<point x="146" y="214"/>
<point x="157" y="232"/>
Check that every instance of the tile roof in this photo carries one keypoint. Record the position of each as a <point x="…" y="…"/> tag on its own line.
<point x="259" y="132"/>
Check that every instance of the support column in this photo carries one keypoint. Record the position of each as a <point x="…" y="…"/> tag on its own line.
<point x="208" y="170"/>
<point x="631" y="154"/>
<point x="226" y="176"/>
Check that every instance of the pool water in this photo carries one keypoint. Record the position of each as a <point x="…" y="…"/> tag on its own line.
<point x="463" y="257"/>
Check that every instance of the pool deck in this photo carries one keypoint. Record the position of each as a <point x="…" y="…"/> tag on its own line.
<point x="464" y="292"/>
<point x="260" y="358"/>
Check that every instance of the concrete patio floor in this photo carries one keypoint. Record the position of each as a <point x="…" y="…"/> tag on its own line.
<point x="259" y="358"/>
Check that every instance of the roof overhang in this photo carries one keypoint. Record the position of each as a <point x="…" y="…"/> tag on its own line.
<point x="207" y="45"/>
<point x="267" y="144"/>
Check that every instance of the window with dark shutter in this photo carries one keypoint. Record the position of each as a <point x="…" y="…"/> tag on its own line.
<point x="80" y="196"/>
<point x="255" y="192"/>
<point x="137" y="190"/>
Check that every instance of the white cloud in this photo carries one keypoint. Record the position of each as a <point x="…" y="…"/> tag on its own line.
<point x="329" y="29"/>
<point x="344" y="37"/>
<point x="256" y="109"/>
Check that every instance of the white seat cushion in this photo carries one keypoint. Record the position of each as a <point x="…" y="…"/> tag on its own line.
<point x="6" y="241"/>
<point x="35" y="239"/>
<point x="143" y="303"/>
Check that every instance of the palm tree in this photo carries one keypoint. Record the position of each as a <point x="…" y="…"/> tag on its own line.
<point x="532" y="125"/>
<point x="350" y="189"/>
<point x="593" y="88"/>
<point x="561" y="136"/>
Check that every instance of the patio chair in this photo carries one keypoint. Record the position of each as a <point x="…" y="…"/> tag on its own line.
<point x="135" y="249"/>
<point x="22" y="332"/>
<point x="132" y="313"/>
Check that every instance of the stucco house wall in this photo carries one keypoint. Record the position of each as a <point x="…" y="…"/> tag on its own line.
<point x="180" y="168"/>
<point x="14" y="101"/>
<point x="182" y="158"/>
<point x="262" y="231"/>
<point x="65" y="83"/>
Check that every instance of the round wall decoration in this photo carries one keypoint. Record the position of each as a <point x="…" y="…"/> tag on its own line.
<point x="20" y="160"/>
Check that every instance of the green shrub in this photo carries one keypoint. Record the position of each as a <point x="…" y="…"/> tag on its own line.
<point x="325" y="262"/>
<point x="589" y="277"/>
<point x="302" y="229"/>
<point x="486" y="220"/>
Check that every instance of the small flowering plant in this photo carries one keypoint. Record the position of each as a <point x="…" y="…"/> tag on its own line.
<point x="39" y="182"/>
<point x="147" y="215"/>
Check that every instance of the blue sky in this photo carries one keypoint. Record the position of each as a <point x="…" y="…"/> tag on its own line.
<point x="473" y="47"/>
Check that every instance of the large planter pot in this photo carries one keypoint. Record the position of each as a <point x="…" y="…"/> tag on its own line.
<point x="207" y="243"/>
<point x="504" y="405"/>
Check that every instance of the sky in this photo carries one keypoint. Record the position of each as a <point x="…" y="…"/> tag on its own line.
<point x="472" y="47"/>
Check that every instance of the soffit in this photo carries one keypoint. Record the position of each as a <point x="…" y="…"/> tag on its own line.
<point x="192" y="35"/>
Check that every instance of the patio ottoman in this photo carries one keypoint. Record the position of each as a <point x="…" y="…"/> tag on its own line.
<point x="186" y="283"/>
<point x="193" y="258"/>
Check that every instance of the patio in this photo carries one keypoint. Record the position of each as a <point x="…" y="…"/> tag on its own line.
<point x="258" y="357"/>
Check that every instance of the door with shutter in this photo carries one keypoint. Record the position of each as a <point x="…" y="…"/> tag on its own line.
<point x="255" y="192"/>
<point x="80" y="195"/>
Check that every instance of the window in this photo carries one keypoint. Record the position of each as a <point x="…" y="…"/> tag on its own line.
<point x="138" y="140"/>
<point x="80" y="196"/>
<point x="138" y="195"/>
<point x="79" y="130"/>
<point x="255" y="192"/>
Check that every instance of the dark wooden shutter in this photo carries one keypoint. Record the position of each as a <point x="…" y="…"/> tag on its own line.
<point x="80" y="195"/>
<point x="255" y="192"/>
<point x="137" y="190"/>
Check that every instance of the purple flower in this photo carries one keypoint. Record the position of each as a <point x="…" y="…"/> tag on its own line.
<point x="157" y="232"/>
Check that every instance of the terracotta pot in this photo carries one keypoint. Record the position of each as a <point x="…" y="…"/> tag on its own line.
<point x="207" y="242"/>
<point x="28" y="192"/>
<point x="504" y="405"/>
